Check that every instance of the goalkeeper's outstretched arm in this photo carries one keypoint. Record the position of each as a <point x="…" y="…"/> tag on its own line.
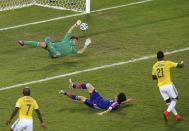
<point x="74" y="26"/>
<point x="87" y="43"/>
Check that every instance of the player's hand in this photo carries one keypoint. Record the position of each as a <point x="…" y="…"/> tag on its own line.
<point x="100" y="113"/>
<point x="78" y="22"/>
<point x="43" y="125"/>
<point x="87" y="42"/>
<point x="8" y="122"/>
<point x="181" y="64"/>
<point x="130" y="100"/>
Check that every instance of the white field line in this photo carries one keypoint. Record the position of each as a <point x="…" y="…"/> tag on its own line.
<point x="74" y="15"/>
<point x="91" y="69"/>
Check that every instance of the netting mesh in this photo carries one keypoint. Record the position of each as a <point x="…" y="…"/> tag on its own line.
<point x="13" y="4"/>
<point x="75" y="5"/>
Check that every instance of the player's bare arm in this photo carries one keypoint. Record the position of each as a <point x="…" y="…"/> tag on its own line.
<point x="104" y="112"/>
<point x="15" y="111"/>
<point x="43" y="125"/>
<point x="128" y="101"/>
<point x="180" y="65"/>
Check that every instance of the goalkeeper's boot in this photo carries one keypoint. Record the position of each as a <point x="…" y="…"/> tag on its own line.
<point x="21" y="42"/>
<point x="62" y="92"/>
<point x="178" y="117"/>
<point x="70" y="84"/>
<point x="166" y="114"/>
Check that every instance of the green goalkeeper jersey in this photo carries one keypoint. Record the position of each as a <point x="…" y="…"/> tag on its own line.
<point x="62" y="48"/>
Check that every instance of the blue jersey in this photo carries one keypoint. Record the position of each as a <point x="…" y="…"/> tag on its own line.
<point x="97" y="101"/>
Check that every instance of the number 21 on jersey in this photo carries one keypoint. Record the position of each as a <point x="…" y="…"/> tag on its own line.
<point x="160" y="72"/>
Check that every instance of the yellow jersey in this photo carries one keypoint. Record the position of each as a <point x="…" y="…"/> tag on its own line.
<point x="161" y="69"/>
<point x="26" y="105"/>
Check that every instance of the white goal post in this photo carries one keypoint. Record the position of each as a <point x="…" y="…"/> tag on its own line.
<point x="74" y="5"/>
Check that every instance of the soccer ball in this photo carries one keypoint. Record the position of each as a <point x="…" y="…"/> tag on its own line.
<point x="84" y="27"/>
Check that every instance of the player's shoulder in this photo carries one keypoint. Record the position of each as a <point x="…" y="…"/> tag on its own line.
<point x="170" y="63"/>
<point x="28" y="98"/>
<point x="21" y="98"/>
<point x="31" y="98"/>
<point x="154" y="65"/>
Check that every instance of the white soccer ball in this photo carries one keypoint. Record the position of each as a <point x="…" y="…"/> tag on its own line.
<point x="84" y="26"/>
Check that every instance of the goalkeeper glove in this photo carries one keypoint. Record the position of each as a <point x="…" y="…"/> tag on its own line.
<point x="78" y="23"/>
<point x="87" y="42"/>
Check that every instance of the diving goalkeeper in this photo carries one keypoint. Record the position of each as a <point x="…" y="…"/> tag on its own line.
<point x="63" y="48"/>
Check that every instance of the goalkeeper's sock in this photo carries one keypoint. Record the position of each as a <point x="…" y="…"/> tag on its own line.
<point x="79" y="86"/>
<point x="32" y="43"/>
<point x="71" y="96"/>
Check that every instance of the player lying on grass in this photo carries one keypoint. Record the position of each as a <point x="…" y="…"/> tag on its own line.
<point x="63" y="48"/>
<point x="161" y="72"/>
<point x="25" y="105"/>
<point x="96" y="100"/>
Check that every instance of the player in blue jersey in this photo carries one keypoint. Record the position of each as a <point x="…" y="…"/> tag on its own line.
<point x="96" y="100"/>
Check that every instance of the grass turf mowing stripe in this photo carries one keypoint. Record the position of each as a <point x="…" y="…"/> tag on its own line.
<point x="92" y="69"/>
<point x="69" y="16"/>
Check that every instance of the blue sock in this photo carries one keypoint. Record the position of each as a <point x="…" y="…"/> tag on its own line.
<point x="79" y="86"/>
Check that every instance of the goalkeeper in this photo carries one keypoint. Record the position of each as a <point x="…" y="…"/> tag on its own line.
<point x="63" y="48"/>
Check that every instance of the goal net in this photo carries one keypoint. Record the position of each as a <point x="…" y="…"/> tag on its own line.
<point x="74" y="5"/>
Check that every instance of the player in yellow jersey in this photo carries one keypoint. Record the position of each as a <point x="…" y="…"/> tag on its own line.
<point x="25" y="106"/>
<point x="161" y="72"/>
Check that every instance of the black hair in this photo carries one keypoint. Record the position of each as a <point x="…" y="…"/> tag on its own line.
<point x="74" y="37"/>
<point x="160" y="55"/>
<point x="26" y="91"/>
<point x="121" y="97"/>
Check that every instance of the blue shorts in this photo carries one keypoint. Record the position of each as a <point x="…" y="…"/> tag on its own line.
<point x="95" y="97"/>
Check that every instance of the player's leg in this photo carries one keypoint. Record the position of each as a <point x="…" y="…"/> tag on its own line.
<point x="83" y="99"/>
<point x="73" y="96"/>
<point x="77" y="85"/>
<point x="69" y="95"/>
<point x="173" y="94"/>
<point x="18" y="125"/>
<point x="35" y="43"/>
<point x="87" y="86"/>
<point x="32" y="43"/>
<point x="165" y="96"/>
<point x="29" y="125"/>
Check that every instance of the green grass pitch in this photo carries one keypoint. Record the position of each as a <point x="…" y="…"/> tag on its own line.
<point x="118" y="35"/>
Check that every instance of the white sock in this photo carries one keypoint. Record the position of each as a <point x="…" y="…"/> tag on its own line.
<point x="172" y="105"/>
<point x="173" y="110"/>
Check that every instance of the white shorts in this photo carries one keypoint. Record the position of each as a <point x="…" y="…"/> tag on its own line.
<point x="168" y="91"/>
<point x="22" y="125"/>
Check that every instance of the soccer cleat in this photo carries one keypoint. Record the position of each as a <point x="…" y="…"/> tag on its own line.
<point x="62" y="92"/>
<point x="178" y="117"/>
<point x="70" y="84"/>
<point x="21" y="42"/>
<point x="166" y="114"/>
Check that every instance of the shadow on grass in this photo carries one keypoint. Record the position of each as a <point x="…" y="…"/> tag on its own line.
<point x="175" y="126"/>
<point x="53" y="67"/>
<point x="133" y="26"/>
<point x="93" y="110"/>
<point x="72" y="110"/>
